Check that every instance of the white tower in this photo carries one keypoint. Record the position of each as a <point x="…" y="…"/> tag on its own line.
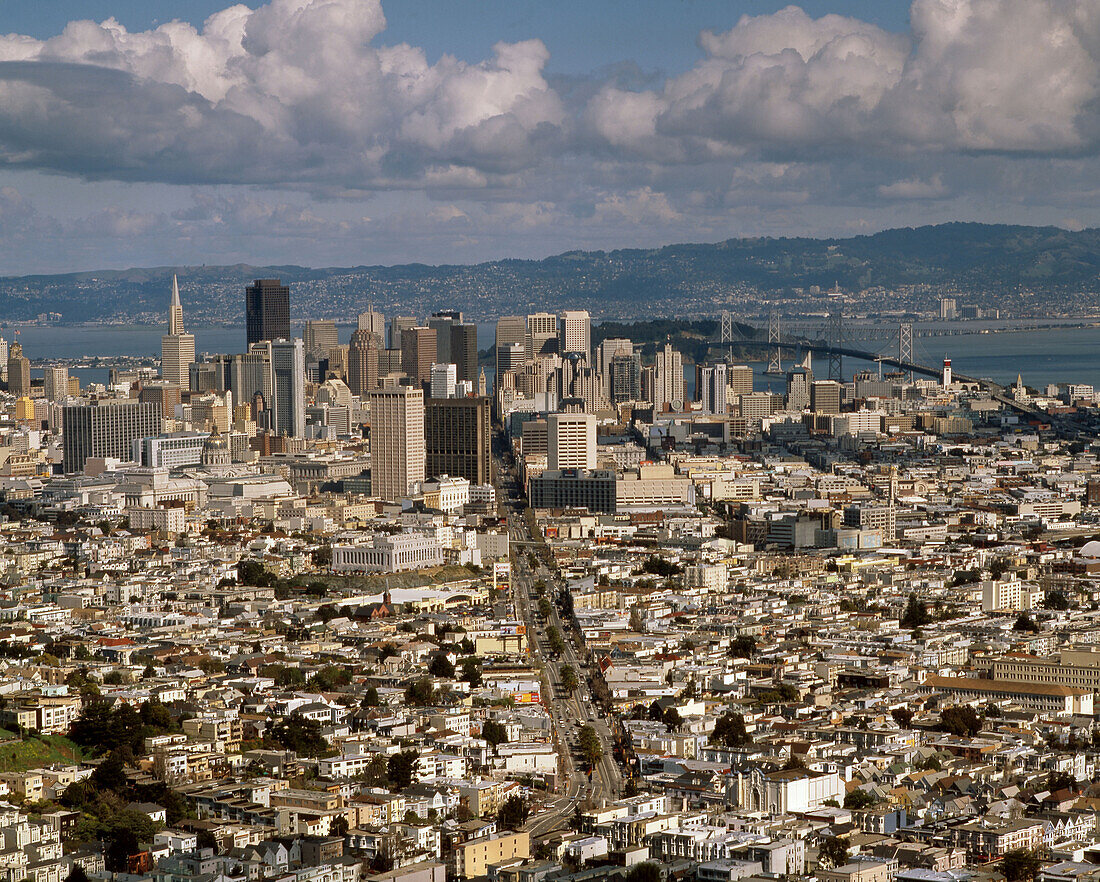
<point x="177" y="347"/>
<point x="946" y="373"/>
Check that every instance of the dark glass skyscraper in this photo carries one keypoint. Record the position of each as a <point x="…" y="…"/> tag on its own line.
<point x="267" y="310"/>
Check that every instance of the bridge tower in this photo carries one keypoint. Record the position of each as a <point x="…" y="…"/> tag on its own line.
<point x="727" y="326"/>
<point x="905" y="344"/>
<point x="834" y="335"/>
<point x="775" y="358"/>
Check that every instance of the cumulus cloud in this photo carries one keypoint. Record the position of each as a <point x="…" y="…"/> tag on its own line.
<point x="298" y="122"/>
<point x="1008" y="76"/>
<point x="295" y="91"/>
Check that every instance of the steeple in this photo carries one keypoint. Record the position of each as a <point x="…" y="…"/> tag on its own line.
<point x="175" y="311"/>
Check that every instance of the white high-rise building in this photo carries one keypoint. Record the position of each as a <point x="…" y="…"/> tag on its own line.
<point x="444" y="377"/>
<point x="608" y="349"/>
<point x="288" y="370"/>
<point x="575" y="333"/>
<point x="570" y="441"/>
<point x="713" y="388"/>
<point x="177" y="347"/>
<point x="56" y="383"/>
<point x="396" y="439"/>
<point x="542" y="334"/>
<point x="373" y="322"/>
<point x="668" y="380"/>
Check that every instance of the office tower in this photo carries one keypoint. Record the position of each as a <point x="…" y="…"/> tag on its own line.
<point x="798" y="388"/>
<point x="164" y="395"/>
<point x="624" y="379"/>
<point x="3" y="352"/>
<point x="56" y="383"/>
<point x="251" y="376"/>
<point x="606" y="351"/>
<point x="363" y="368"/>
<point x="576" y="382"/>
<point x="825" y="396"/>
<point x="267" y="310"/>
<point x="443" y="381"/>
<point x="288" y="368"/>
<point x="389" y="362"/>
<point x="511" y="330"/>
<point x="441" y="323"/>
<point x="396" y="440"/>
<point x="457" y="438"/>
<point x="668" y="380"/>
<point x="575" y="332"/>
<point x="19" y="371"/>
<point x="948" y="308"/>
<point x="319" y="336"/>
<point x="542" y="334"/>
<point x="105" y="428"/>
<point x="740" y="378"/>
<point x="570" y="441"/>
<point x="510" y="357"/>
<point x="397" y="327"/>
<point x="463" y="350"/>
<point x="711" y="388"/>
<point x="374" y="322"/>
<point x="177" y="347"/>
<point x="418" y="352"/>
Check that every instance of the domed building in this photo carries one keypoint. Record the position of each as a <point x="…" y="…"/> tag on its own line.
<point x="217" y="458"/>
<point x="1090" y="550"/>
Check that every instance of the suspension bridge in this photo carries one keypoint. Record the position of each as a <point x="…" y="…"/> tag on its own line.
<point x="896" y="348"/>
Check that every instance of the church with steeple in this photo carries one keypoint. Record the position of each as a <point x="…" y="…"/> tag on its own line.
<point x="177" y="347"/>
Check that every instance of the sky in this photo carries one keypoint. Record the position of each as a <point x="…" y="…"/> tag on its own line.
<point x="349" y="132"/>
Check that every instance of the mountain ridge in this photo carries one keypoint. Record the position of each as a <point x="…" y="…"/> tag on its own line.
<point x="986" y="262"/>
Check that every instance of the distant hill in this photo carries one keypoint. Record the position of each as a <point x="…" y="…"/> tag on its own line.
<point x="1029" y="269"/>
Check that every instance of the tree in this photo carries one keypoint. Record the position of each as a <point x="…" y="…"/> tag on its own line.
<point x="961" y="720"/>
<point x="916" y="613"/>
<point x="729" y="731"/>
<point x="77" y="874"/>
<point x="283" y="675"/>
<point x="440" y="666"/>
<point x="1024" y="622"/>
<point x="590" y="746"/>
<point x="644" y="872"/>
<point x="471" y="671"/>
<point x="299" y="734"/>
<point x="859" y="799"/>
<point x="1061" y="781"/>
<point x="568" y="676"/>
<point x="672" y="719"/>
<point x="637" y="620"/>
<point x="833" y="852"/>
<point x="658" y="566"/>
<point x="376" y="773"/>
<point x="339" y="826"/>
<point x="494" y="732"/>
<point x="420" y="692"/>
<point x="902" y="716"/>
<point x="1020" y="865"/>
<point x="1056" y="600"/>
<point x="207" y="839"/>
<point x="742" y="646"/>
<point x="401" y="767"/>
<point x="513" y="814"/>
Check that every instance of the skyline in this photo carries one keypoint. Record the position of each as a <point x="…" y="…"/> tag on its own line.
<point x="233" y="140"/>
